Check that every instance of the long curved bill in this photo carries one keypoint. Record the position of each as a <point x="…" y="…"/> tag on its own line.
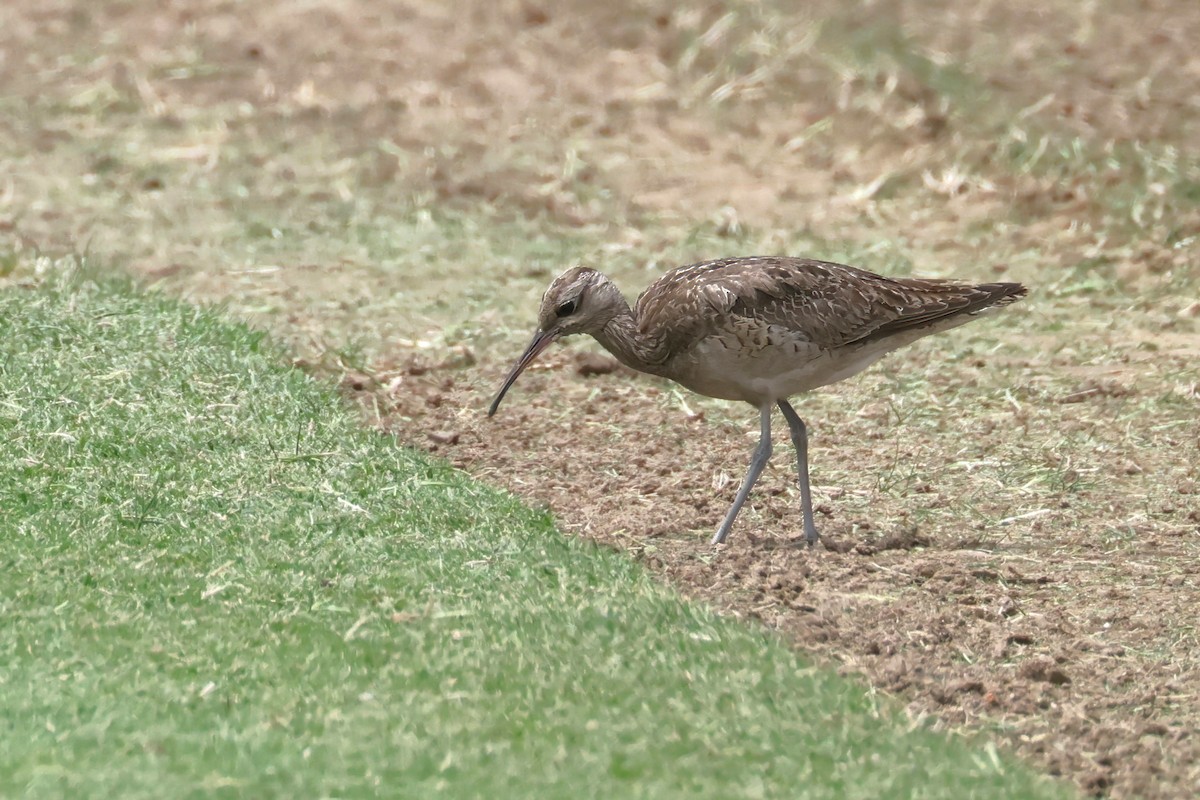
<point x="541" y="340"/>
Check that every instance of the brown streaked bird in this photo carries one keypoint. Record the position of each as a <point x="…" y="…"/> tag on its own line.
<point x="758" y="329"/>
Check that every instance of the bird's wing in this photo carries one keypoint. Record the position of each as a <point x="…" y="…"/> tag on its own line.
<point x="830" y="305"/>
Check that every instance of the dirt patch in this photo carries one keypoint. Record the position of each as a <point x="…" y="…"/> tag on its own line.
<point x="1125" y="71"/>
<point x="555" y="111"/>
<point x="1077" y="651"/>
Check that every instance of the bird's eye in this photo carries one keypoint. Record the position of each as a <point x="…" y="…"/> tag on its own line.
<point x="566" y="309"/>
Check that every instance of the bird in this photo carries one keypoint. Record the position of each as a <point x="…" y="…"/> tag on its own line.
<point x="759" y="329"/>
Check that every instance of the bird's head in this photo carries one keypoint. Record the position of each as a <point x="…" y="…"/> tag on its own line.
<point x="581" y="300"/>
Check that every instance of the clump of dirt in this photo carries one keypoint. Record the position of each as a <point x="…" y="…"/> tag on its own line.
<point x="1073" y="659"/>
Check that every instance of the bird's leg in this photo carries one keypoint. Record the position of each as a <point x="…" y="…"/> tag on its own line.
<point x="759" y="460"/>
<point x="800" y="440"/>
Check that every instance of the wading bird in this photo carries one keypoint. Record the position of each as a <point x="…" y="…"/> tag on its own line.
<point x="757" y="329"/>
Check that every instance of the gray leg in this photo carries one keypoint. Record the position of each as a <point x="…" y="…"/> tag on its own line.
<point x="757" y="463"/>
<point x="800" y="440"/>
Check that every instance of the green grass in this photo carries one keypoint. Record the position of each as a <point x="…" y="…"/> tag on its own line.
<point x="216" y="583"/>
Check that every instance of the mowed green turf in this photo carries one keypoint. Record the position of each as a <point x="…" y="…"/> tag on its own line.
<point x="215" y="583"/>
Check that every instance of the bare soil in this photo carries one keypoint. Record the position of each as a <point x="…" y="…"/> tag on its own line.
<point x="1010" y="543"/>
<point x="1075" y="648"/>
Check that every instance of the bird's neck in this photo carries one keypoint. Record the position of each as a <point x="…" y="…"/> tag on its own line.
<point x="633" y="348"/>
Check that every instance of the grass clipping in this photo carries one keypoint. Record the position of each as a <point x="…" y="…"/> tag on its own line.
<point x="215" y="580"/>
